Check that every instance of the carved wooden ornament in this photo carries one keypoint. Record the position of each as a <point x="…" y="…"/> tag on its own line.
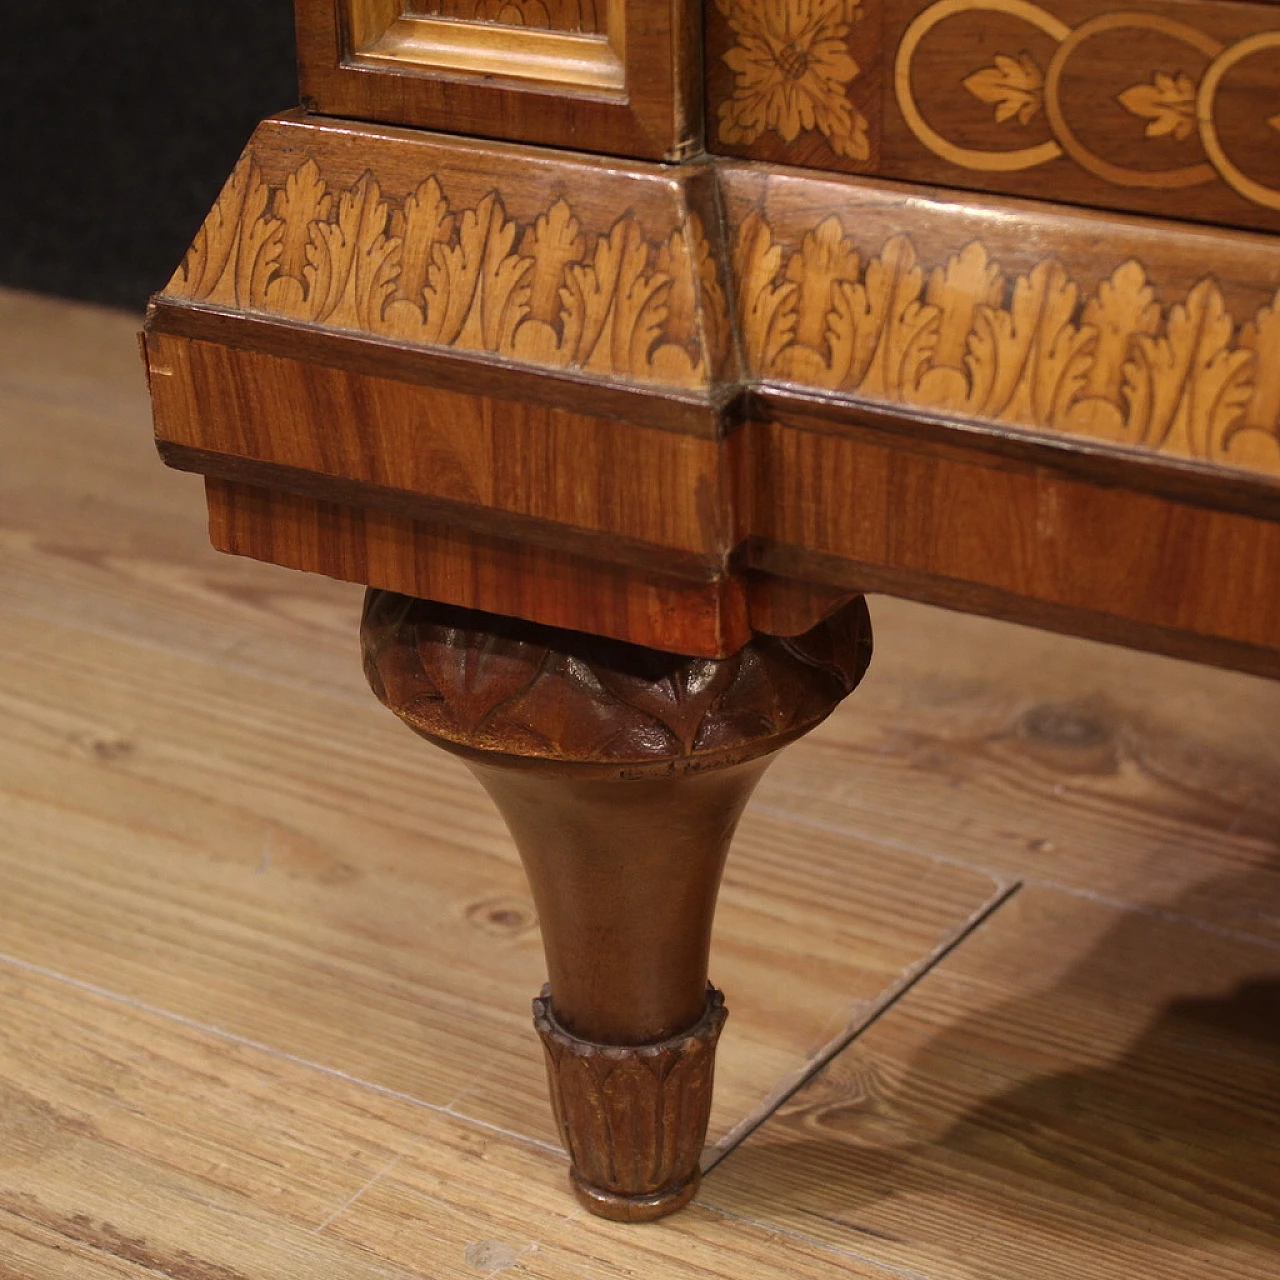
<point x="497" y="689"/>
<point x="621" y="773"/>
<point x="633" y="1119"/>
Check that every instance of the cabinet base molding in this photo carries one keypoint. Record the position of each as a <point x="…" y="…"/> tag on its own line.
<point x="580" y="391"/>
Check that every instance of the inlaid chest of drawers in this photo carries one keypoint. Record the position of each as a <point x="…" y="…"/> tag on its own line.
<point x="619" y="347"/>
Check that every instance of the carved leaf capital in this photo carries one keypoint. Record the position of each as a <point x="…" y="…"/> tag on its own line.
<point x="494" y="685"/>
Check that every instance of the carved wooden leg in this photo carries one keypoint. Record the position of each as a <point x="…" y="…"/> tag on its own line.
<point x="621" y="773"/>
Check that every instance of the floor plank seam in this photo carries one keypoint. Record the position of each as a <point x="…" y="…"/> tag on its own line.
<point x="1003" y="881"/>
<point x="886" y="1268"/>
<point x="355" y="697"/>
<point x="1157" y="913"/>
<point x="258" y="1046"/>
<point x="913" y="976"/>
<point x="1086" y="1090"/>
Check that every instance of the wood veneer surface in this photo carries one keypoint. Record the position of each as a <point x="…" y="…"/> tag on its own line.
<point x="446" y="375"/>
<point x="1164" y="107"/>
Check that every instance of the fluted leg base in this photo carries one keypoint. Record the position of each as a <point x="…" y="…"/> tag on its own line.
<point x="618" y="1208"/>
<point x="633" y="1118"/>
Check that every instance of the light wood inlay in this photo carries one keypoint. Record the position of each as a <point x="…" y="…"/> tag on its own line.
<point x="624" y="287"/>
<point x="978" y="312"/>
<point x="792" y="70"/>
<point x="1170" y="108"/>
<point x="1171" y="103"/>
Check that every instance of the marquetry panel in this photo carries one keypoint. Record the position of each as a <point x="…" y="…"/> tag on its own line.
<point x="1165" y="107"/>
<point x="795" y="81"/>
<point x="582" y="268"/>
<point x="616" y="76"/>
<point x="1003" y="316"/>
<point x="468" y="370"/>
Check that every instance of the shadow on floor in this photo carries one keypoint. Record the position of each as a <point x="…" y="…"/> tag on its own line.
<point x="942" y="1145"/>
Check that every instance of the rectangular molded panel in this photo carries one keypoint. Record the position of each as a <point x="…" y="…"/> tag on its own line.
<point x="613" y="76"/>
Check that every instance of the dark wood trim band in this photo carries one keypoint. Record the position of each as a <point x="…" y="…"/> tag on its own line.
<point x="818" y="569"/>
<point x="1212" y="486"/>
<point x="607" y="548"/>
<point x="684" y="413"/>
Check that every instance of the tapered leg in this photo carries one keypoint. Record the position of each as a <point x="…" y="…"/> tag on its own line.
<point x="621" y="773"/>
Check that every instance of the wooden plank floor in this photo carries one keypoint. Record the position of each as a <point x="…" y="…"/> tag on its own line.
<point x="266" y="958"/>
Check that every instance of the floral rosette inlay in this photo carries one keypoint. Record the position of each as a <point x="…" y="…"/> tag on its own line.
<point x="792" y="69"/>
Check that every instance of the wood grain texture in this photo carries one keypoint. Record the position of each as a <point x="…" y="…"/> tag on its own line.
<point x="458" y="457"/>
<point x="364" y="59"/>
<point x="642" y="603"/>
<point x="1032" y="538"/>
<point x="259" y="851"/>
<point x="138" y="1145"/>
<point x="1167" y="108"/>
<point x="187" y="744"/>
<point x="1143" y="781"/>
<point x="1078" y="1091"/>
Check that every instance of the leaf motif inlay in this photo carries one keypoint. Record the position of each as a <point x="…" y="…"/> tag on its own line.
<point x="421" y="270"/>
<point x="1013" y="85"/>
<point x="1032" y="349"/>
<point x="1167" y="103"/>
<point x="792" y="70"/>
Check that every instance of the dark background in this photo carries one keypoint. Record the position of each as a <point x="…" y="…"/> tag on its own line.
<point x="119" y="121"/>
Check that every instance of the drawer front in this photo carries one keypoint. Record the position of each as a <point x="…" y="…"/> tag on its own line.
<point x="1167" y="108"/>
